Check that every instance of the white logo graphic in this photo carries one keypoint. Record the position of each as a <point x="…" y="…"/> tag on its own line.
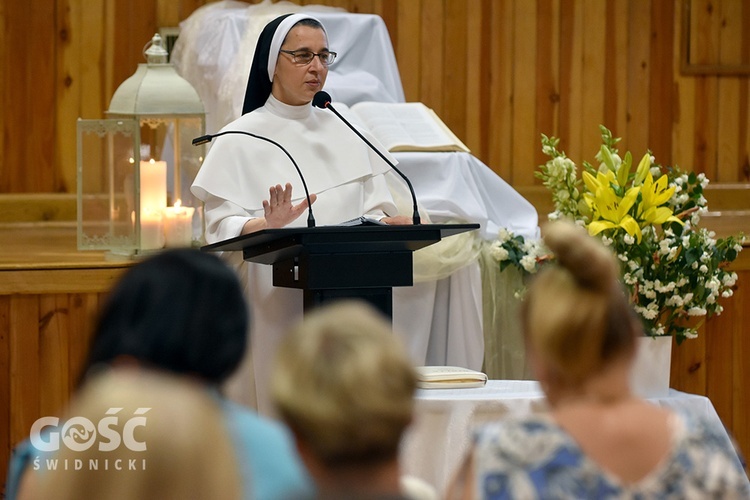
<point x="80" y="433"/>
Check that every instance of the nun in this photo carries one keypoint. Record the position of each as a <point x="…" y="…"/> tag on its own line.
<point x="248" y="184"/>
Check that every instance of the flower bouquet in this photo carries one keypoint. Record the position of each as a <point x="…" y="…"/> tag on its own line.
<point x="674" y="270"/>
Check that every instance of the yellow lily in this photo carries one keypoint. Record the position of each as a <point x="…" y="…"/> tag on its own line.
<point x="644" y="168"/>
<point x="602" y="180"/>
<point x="658" y="215"/>
<point x="612" y="212"/>
<point x="653" y="196"/>
<point x="624" y="171"/>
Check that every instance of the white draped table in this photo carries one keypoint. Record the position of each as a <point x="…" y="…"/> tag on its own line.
<point x="440" y="436"/>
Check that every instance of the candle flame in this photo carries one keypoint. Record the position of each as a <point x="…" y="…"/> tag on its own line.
<point x="177" y="204"/>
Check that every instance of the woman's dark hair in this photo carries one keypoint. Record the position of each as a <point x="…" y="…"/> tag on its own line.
<point x="181" y="311"/>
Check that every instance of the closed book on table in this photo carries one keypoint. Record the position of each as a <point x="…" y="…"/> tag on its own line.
<point x="449" y="377"/>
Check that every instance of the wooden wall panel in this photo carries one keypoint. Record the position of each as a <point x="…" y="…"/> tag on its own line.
<point x="661" y="81"/>
<point x="454" y="69"/>
<point x="68" y="83"/>
<point x="408" y="50"/>
<point x="24" y="380"/>
<point x="431" y="40"/>
<point x="524" y="83"/>
<point x="499" y="58"/>
<point x="44" y="341"/>
<point x="6" y="441"/>
<point x="635" y="135"/>
<point x="547" y="63"/>
<point x="684" y="112"/>
<point x="559" y="67"/>
<point x="5" y="90"/>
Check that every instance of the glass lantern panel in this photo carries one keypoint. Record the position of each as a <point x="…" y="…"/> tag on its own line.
<point x="159" y="135"/>
<point x="107" y="151"/>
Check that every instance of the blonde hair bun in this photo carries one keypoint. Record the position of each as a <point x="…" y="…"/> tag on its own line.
<point x="592" y="265"/>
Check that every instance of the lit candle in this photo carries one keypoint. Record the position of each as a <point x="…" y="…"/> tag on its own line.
<point x="178" y="225"/>
<point x="152" y="230"/>
<point x="153" y="199"/>
<point x="153" y="185"/>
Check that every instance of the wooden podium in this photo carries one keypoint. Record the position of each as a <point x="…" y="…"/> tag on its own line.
<point x="337" y="262"/>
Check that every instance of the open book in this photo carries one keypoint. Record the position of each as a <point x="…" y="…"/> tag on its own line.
<point x="407" y="126"/>
<point x="362" y="220"/>
<point x="449" y="377"/>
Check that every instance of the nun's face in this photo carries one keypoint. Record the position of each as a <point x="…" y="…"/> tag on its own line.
<point x="295" y="83"/>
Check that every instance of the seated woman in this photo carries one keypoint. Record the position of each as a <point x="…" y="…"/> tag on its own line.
<point x="182" y="311"/>
<point x="344" y="384"/>
<point x="172" y="442"/>
<point x="598" y="439"/>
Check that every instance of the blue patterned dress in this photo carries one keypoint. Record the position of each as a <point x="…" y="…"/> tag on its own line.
<point x="533" y="457"/>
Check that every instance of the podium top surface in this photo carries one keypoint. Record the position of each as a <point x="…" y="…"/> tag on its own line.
<point x="409" y="236"/>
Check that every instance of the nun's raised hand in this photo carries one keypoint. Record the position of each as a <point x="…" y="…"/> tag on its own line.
<point x="278" y="209"/>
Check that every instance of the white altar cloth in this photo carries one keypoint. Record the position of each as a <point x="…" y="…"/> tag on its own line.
<point x="440" y="435"/>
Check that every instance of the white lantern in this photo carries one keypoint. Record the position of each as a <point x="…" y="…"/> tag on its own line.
<point x="135" y="168"/>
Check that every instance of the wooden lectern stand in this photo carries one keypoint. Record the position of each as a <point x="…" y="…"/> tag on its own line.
<point x="336" y="262"/>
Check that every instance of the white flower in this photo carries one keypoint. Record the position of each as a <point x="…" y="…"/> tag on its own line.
<point x="691" y="333"/>
<point x="703" y="180"/>
<point x="529" y="263"/>
<point x="499" y="253"/>
<point x="697" y="311"/>
<point x="504" y="235"/>
<point x="729" y="279"/>
<point x="713" y="284"/>
<point x="703" y="268"/>
<point x="652" y="311"/>
<point x="727" y="293"/>
<point x="665" y="288"/>
<point x="628" y="239"/>
<point x="674" y="301"/>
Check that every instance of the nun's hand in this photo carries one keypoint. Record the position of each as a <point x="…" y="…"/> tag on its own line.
<point x="278" y="209"/>
<point x="398" y="220"/>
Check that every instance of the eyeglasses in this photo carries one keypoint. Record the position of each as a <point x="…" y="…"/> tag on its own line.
<point x="304" y="57"/>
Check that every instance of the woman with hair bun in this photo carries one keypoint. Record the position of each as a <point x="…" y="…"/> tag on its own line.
<point x="598" y="439"/>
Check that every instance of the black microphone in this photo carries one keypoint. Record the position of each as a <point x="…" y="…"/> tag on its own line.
<point x="323" y="100"/>
<point x="205" y="139"/>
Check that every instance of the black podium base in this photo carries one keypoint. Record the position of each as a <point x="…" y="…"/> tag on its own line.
<point x="380" y="298"/>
